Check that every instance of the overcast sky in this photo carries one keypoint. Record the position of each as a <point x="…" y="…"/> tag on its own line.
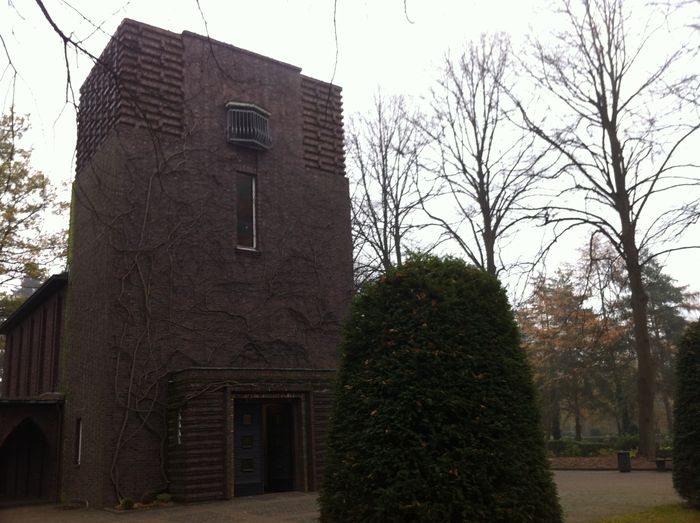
<point x="372" y="44"/>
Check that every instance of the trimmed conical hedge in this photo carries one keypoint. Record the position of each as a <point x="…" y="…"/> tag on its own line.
<point x="435" y="416"/>
<point x="686" y="430"/>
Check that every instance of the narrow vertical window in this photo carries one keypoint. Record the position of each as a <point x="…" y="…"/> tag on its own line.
<point x="245" y="187"/>
<point x="178" y="427"/>
<point x="78" y="442"/>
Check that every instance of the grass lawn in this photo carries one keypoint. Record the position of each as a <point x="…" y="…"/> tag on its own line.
<point x="676" y="513"/>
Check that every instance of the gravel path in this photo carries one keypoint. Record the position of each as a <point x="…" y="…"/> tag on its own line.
<point x="586" y="496"/>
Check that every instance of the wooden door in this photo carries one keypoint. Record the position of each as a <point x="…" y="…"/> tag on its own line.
<point x="249" y="468"/>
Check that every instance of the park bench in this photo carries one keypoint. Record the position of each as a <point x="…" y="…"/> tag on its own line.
<point x="661" y="459"/>
<point x="660" y="462"/>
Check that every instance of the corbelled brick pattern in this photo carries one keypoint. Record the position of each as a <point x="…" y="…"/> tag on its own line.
<point x="137" y="82"/>
<point x="323" y="123"/>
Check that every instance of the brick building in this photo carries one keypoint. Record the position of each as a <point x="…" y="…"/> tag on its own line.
<point x="210" y="269"/>
<point x="30" y="406"/>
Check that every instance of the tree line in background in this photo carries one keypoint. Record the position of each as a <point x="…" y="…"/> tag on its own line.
<point x="579" y="333"/>
<point x="587" y="129"/>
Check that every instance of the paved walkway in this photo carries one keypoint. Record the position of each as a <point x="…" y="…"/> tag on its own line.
<point x="586" y="496"/>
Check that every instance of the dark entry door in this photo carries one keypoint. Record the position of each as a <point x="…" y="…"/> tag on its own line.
<point x="263" y="447"/>
<point x="249" y="467"/>
<point x="278" y="419"/>
<point x="24" y="464"/>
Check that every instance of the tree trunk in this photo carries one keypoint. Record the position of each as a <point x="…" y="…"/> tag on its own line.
<point x="624" y="196"/>
<point x="626" y="422"/>
<point x="555" y="420"/>
<point x="661" y="362"/>
<point x="488" y="235"/>
<point x="578" y="436"/>
<point x="646" y="375"/>
<point x="397" y="242"/>
<point x="669" y="410"/>
<point x="577" y="419"/>
<point x="621" y="417"/>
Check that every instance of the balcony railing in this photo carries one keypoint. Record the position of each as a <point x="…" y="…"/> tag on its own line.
<point x="248" y="125"/>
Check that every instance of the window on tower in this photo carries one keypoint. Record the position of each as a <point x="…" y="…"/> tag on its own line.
<point x="245" y="210"/>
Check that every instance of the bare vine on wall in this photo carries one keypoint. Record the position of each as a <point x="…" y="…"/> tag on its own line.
<point x="183" y="298"/>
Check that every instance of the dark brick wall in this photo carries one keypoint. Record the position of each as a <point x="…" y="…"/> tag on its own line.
<point x="157" y="282"/>
<point x="197" y="465"/>
<point x="200" y="465"/>
<point x="32" y="351"/>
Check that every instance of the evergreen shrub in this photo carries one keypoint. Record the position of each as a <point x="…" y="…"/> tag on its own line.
<point x="572" y="448"/>
<point x="148" y="497"/>
<point x="126" y="504"/>
<point x="686" y="431"/>
<point x="435" y="417"/>
<point x="164" y="497"/>
<point x="563" y="447"/>
<point x="629" y="442"/>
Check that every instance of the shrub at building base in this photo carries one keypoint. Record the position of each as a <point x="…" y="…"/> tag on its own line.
<point x="686" y="441"/>
<point x="435" y="416"/>
<point x="126" y="504"/>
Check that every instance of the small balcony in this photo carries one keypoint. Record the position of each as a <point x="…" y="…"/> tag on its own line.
<point x="248" y="125"/>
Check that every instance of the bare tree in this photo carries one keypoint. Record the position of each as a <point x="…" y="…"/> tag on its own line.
<point x="383" y="148"/>
<point x="486" y="166"/>
<point x="620" y="126"/>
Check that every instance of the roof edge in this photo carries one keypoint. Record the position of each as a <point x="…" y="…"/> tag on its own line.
<point x="252" y="369"/>
<point x="47" y="289"/>
<point x="213" y="41"/>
